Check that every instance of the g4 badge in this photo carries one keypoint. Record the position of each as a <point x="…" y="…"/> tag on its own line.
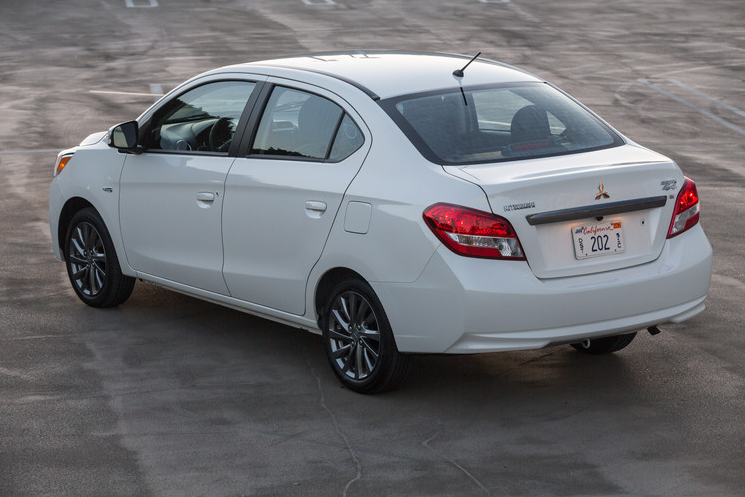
<point x="668" y="184"/>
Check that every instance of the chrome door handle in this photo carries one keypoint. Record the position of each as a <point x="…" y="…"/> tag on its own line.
<point x="205" y="196"/>
<point x="315" y="205"/>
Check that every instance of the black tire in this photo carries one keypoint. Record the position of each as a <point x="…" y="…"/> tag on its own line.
<point x="605" y="345"/>
<point x="92" y="264"/>
<point x="358" y="340"/>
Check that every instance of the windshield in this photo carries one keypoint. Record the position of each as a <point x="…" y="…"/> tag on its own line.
<point x="498" y="123"/>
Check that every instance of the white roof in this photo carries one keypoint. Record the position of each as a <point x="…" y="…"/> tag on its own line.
<point x="386" y="74"/>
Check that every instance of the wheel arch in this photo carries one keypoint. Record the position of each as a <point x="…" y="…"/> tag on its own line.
<point x="75" y="204"/>
<point x="71" y="206"/>
<point x="326" y="283"/>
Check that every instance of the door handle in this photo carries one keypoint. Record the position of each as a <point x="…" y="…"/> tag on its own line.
<point x="315" y="205"/>
<point x="205" y="196"/>
<point x="314" y="209"/>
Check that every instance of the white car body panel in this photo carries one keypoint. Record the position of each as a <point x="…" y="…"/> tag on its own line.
<point x="300" y="199"/>
<point x="554" y="183"/>
<point x="257" y="247"/>
<point x="412" y="74"/>
<point x="466" y="305"/>
<point x="170" y="215"/>
<point x="277" y="217"/>
<point x="94" y="170"/>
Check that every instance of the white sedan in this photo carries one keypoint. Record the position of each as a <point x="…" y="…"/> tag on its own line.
<point x="395" y="203"/>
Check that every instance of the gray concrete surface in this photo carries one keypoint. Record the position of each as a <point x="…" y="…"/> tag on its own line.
<point x="168" y="395"/>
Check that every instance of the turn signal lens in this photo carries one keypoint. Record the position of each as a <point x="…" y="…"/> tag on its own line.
<point x="686" y="212"/>
<point x="473" y="233"/>
<point x="62" y="161"/>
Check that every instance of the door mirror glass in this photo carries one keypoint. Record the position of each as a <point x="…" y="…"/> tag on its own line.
<point x="124" y="136"/>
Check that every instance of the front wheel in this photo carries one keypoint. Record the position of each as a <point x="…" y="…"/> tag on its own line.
<point x="605" y="345"/>
<point x="92" y="265"/>
<point x="358" y="340"/>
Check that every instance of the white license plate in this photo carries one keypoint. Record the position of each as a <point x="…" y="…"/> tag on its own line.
<point x="595" y="240"/>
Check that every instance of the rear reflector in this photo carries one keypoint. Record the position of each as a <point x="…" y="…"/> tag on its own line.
<point x="473" y="233"/>
<point x="686" y="212"/>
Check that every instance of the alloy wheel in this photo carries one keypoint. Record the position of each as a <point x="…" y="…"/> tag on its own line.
<point x="87" y="258"/>
<point x="354" y="335"/>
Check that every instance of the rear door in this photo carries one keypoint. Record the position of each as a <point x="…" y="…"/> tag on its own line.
<point x="282" y="197"/>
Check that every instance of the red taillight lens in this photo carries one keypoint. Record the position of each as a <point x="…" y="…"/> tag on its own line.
<point x="686" y="212"/>
<point x="473" y="233"/>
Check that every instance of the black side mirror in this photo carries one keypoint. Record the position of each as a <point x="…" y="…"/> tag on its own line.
<point x="124" y="137"/>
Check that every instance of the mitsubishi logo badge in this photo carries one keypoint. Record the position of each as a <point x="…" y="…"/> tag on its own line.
<point x="602" y="193"/>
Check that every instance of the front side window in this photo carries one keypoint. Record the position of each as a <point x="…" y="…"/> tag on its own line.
<point x="303" y="125"/>
<point x="203" y="119"/>
<point x="497" y="124"/>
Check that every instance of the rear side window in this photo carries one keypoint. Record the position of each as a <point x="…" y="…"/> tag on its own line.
<point x="497" y="124"/>
<point x="347" y="140"/>
<point x="298" y="124"/>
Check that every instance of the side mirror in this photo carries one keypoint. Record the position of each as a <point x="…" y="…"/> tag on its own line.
<point x="124" y="137"/>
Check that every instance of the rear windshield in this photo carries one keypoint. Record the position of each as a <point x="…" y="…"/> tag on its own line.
<point x="497" y="124"/>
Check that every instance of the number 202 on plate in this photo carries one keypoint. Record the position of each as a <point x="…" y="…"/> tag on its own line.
<point x="595" y="240"/>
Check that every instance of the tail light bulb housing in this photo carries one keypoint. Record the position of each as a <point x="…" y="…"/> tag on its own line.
<point x="686" y="213"/>
<point x="473" y="233"/>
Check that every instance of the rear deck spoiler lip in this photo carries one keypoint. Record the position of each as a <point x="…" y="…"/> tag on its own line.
<point x="586" y="211"/>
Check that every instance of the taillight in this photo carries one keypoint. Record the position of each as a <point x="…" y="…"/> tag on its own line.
<point x="473" y="233"/>
<point x="685" y="215"/>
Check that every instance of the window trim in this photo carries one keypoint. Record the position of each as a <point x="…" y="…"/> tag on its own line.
<point x="389" y="106"/>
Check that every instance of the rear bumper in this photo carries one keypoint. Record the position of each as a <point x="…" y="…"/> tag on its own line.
<point x="463" y="305"/>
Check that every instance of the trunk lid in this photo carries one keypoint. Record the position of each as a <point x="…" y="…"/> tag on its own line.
<point x="549" y="201"/>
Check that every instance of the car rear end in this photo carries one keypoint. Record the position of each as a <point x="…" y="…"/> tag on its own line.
<point x="587" y="235"/>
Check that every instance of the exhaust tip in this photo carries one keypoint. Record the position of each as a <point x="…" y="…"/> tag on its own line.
<point x="653" y="330"/>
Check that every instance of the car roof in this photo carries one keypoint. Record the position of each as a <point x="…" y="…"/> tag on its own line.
<point x="383" y="74"/>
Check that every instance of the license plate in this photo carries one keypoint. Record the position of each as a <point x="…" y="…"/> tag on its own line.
<point x="595" y="240"/>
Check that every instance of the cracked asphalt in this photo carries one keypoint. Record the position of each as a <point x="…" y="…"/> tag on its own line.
<point x="168" y="395"/>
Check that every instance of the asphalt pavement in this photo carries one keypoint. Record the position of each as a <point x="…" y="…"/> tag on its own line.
<point x="168" y="395"/>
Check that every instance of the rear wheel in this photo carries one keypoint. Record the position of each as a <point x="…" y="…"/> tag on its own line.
<point x="92" y="265"/>
<point x="605" y="345"/>
<point x="358" y="340"/>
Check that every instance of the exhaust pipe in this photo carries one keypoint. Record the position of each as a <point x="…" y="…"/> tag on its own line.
<point x="653" y="330"/>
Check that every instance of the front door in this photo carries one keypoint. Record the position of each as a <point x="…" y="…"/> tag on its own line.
<point x="171" y="196"/>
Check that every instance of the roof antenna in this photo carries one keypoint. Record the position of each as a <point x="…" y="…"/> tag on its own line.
<point x="458" y="73"/>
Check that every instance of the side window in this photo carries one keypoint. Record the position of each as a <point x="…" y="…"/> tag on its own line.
<point x="203" y="119"/>
<point x="348" y="139"/>
<point x="296" y="123"/>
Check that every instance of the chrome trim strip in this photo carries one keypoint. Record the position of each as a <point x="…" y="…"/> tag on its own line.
<point x="586" y="211"/>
